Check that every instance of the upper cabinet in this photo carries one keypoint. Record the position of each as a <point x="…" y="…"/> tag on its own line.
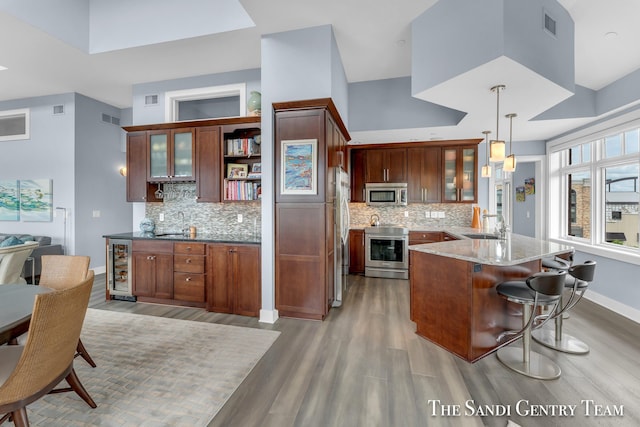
<point x="171" y="155"/>
<point x="435" y="173"/>
<point x="425" y="180"/>
<point x="386" y="165"/>
<point x="203" y="151"/>
<point x="459" y="172"/>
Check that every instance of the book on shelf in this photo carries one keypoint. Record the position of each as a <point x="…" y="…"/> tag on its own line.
<point x="254" y="175"/>
<point x="242" y="147"/>
<point x="242" y="190"/>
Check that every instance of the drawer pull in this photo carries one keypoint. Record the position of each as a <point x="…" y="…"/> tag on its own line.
<point x="188" y="261"/>
<point x="151" y="257"/>
<point x="188" y="279"/>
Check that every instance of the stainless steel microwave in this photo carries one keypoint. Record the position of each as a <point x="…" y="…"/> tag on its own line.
<point x="386" y="194"/>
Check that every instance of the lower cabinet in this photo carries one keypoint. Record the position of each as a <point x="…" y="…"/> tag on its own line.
<point x="152" y="269"/>
<point x="233" y="279"/>
<point x="189" y="271"/>
<point x="356" y="252"/>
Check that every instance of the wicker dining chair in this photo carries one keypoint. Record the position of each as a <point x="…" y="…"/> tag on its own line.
<point x="29" y="372"/>
<point x="60" y="272"/>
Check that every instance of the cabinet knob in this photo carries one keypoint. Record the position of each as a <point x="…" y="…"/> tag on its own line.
<point x="151" y="257"/>
<point x="188" y="261"/>
<point x="188" y="279"/>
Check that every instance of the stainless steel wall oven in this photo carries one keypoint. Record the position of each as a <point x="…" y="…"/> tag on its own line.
<point x="387" y="252"/>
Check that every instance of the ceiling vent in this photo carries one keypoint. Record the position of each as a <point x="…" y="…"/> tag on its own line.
<point x="58" y="109"/>
<point x="549" y="24"/>
<point x="151" y="100"/>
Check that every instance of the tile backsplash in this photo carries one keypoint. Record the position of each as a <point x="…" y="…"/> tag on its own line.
<point x="455" y="214"/>
<point x="218" y="218"/>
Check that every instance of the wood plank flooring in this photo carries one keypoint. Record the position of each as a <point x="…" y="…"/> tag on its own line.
<point x="364" y="366"/>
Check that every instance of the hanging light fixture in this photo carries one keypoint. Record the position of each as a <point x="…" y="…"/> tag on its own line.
<point x="510" y="161"/>
<point x="497" y="146"/>
<point x="486" y="169"/>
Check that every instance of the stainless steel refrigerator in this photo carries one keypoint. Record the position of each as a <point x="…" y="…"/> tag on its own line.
<point x="342" y="224"/>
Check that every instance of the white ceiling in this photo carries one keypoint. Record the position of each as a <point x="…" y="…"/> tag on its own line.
<point x="373" y="38"/>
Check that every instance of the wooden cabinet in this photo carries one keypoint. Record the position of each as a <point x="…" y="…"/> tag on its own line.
<point x="208" y="158"/>
<point x="358" y="176"/>
<point x="420" y="237"/>
<point x="424" y="171"/>
<point x="171" y="155"/>
<point x="137" y="167"/>
<point x="459" y="174"/>
<point x="356" y="252"/>
<point x="152" y="265"/>
<point x="189" y="271"/>
<point x="233" y="281"/>
<point x="386" y="165"/>
<point x="242" y="167"/>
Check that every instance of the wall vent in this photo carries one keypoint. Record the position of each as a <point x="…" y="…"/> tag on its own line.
<point x="106" y="118"/>
<point x="115" y="121"/>
<point x="150" y="99"/>
<point x="58" y="109"/>
<point x="549" y="24"/>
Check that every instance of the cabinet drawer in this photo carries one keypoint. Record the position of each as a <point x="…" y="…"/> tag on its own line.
<point x="188" y="263"/>
<point x="152" y="246"/>
<point x="188" y="287"/>
<point x="189" y="248"/>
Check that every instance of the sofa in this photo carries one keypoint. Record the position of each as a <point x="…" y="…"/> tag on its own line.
<point x="44" y="248"/>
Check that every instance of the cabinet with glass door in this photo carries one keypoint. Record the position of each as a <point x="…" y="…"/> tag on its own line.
<point x="459" y="174"/>
<point x="171" y="155"/>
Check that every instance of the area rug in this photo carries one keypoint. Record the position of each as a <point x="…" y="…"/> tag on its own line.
<point x="154" y="372"/>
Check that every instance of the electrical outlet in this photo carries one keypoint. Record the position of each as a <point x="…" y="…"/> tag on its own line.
<point x="434" y="214"/>
<point x="427" y="214"/>
<point x="96" y="214"/>
<point x="161" y="217"/>
<point x="239" y="217"/>
<point x="440" y="214"/>
<point x="406" y="214"/>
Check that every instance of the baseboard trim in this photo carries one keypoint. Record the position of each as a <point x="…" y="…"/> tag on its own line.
<point x="99" y="270"/>
<point x="268" y="316"/>
<point x="613" y="305"/>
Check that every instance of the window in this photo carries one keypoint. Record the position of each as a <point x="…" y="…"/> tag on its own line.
<point x="598" y="192"/>
<point x="14" y="124"/>
<point x="206" y="103"/>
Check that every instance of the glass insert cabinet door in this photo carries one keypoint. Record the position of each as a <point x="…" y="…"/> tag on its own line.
<point x="171" y="155"/>
<point x="459" y="174"/>
<point x="158" y="155"/>
<point x="182" y="154"/>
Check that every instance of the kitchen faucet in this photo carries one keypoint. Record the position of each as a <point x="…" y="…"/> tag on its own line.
<point x="501" y="225"/>
<point x="183" y="229"/>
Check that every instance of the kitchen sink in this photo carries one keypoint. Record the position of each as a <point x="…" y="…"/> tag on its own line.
<point x="481" y="236"/>
<point x="170" y="234"/>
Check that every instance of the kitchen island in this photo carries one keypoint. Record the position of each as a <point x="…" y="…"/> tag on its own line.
<point x="453" y="298"/>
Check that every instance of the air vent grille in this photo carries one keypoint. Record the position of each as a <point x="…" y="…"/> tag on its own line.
<point x="112" y="120"/>
<point x="106" y="118"/>
<point x="58" y="109"/>
<point x="150" y="99"/>
<point x="549" y="24"/>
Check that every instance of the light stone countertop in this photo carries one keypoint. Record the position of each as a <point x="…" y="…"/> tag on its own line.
<point x="515" y="249"/>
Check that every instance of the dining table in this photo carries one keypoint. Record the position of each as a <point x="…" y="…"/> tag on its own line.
<point x="16" y="306"/>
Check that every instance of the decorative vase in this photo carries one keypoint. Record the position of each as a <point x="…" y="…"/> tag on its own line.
<point x="147" y="225"/>
<point x="254" y="103"/>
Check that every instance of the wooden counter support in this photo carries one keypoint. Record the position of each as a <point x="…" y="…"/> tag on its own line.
<point x="454" y="303"/>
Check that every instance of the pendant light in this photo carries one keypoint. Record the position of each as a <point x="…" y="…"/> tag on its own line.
<point x="510" y="161"/>
<point x="486" y="169"/>
<point x="497" y="146"/>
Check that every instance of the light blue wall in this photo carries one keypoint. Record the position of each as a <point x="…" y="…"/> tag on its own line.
<point x="388" y="104"/>
<point x="524" y="213"/>
<point x="48" y="154"/>
<point x="98" y="185"/>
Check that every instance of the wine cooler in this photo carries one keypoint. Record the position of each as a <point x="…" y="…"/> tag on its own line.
<point x="119" y="277"/>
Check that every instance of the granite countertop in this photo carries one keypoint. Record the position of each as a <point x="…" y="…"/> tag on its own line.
<point x="515" y="249"/>
<point x="199" y="237"/>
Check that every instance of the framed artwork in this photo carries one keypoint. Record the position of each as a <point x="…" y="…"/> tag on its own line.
<point x="299" y="171"/>
<point x="9" y="200"/>
<point x="520" y="195"/>
<point x="530" y="186"/>
<point x="36" y="200"/>
<point x="256" y="168"/>
<point x="237" y="170"/>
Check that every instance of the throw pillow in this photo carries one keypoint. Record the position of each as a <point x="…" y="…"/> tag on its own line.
<point x="10" y="241"/>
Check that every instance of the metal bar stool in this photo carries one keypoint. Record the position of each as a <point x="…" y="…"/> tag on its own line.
<point x="578" y="281"/>
<point x="541" y="289"/>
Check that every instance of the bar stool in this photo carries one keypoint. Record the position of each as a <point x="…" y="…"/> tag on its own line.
<point x="541" y="289"/>
<point x="578" y="281"/>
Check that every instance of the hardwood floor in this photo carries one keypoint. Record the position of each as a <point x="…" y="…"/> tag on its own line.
<point x="364" y="366"/>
